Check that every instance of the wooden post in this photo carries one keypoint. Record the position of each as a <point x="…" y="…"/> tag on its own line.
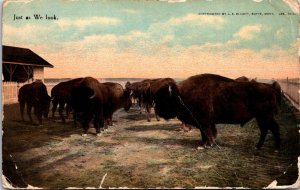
<point x="10" y="72"/>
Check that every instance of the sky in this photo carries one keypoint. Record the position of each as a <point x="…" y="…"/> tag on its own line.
<point x="149" y="39"/>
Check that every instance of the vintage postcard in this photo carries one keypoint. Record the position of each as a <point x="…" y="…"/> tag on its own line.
<point x="150" y="94"/>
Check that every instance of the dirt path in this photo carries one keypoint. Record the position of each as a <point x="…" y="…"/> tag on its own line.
<point x="137" y="153"/>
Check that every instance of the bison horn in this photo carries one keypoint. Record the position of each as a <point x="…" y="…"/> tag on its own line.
<point x="170" y="90"/>
<point x="93" y="96"/>
<point x="131" y="92"/>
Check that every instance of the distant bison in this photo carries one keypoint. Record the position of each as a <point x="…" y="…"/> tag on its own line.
<point x="138" y="92"/>
<point x="242" y="79"/>
<point x="61" y="96"/>
<point x="206" y="100"/>
<point x="96" y="101"/>
<point x="118" y="98"/>
<point x="143" y="92"/>
<point x="34" y="95"/>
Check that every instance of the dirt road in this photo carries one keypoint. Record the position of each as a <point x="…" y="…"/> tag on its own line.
<point x="137" y="153"/>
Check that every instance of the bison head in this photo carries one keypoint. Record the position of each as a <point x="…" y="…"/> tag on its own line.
<point x="127" y="101"/>
<point x="166" y="99"/>
<point x="81" y="97"/>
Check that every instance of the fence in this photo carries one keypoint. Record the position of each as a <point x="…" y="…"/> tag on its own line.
<point x="291" y="90"/>
<point x="10" y="91"/>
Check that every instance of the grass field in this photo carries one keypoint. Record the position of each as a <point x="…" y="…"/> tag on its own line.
<point x="137" y="153"/>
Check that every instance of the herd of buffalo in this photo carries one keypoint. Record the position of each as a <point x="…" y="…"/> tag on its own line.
<point x="201" y="101"/>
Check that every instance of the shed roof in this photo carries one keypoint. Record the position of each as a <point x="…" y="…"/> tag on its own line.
<point x="22" y="56"/>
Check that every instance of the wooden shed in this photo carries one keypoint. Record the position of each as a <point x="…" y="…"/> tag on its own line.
<point x="22" y="64"/>
<point x="19" y="66"/>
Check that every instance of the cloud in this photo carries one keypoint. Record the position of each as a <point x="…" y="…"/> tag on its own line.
<point x="130" y="40"/>
<point x="6" y="2"/>
<point x="11" y="33"/>
<point x="89" y="21"/>
<point x="175" y="61"/>
<point x="197" y="19"/>
<point x="248" y="32"/>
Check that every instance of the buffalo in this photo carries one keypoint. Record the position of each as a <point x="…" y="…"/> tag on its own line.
<point x="96" y="101"/>
<point x="61" y="96"/>
<point x="118" y="98"/>
<point x="137" y="92"/>
<point x="143" y="92"/>
<point x="34" y="95"/>
<point x="206" y="100"/>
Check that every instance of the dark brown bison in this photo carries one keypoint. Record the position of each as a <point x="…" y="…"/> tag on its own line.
<point x="34" y="95"/>
<point x="96" y="101"/>
<point x="136" y="92"/>
<point x="274" y="84"/>
<point x="118" y="98"/>
<point x="61" y="96"/>
<point x="143" y="92"/>
<point x="206" y="100"/>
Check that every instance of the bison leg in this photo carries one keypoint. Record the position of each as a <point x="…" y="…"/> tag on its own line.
<point x="99" y="120"/>
<point x="209" y="134"/>
<point x="29" y="107"/>
<point x="68" y="109"/>
<point x="85" y="126"/>
<point x="39" y="116"/>
<point x="204" y="140"/>
<point x="99" y="124"/>
<point x="139" y="102"/>
<point x="60" y="111"/>
<point x="86" y="118"/>
<point x="157" y="117"/>
<point x="274" y="127"/>
<point x="22" y="106"/>
<point x="207" y="139"/>
<point x="96" y="124"/>
<point x="263" y="127"/>
<point x="55" y="103"/>
<point x="214" y="131"/>
<point x="38" y="113"/>
<point x="148" y="109"/>
<point x="110" y="123"/>
<point x="263" y="133"/>
<point x="75" y="119"/>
